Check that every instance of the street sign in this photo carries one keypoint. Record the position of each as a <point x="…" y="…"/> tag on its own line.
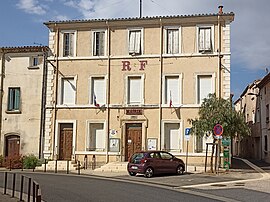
<point x="218" y="130"/>
<point x="187" y="132"/>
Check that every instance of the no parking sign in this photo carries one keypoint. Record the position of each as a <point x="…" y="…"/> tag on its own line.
<point x="218" y="130"/>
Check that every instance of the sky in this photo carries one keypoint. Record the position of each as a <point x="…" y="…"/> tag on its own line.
<point x="22" y="25"/>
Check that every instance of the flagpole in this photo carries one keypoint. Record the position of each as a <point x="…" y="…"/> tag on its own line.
<point x="140" y="8"/>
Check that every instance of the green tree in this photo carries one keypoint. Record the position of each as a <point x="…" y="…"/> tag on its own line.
<point x="219" y="111"/>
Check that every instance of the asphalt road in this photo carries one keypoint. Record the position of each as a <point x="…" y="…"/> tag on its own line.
<point x="73" y="188"/>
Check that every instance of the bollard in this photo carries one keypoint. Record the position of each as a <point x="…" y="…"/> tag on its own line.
<point x="67" y="166"/>
<point x="94" y="162"/>
<point x="37" y="196"/>
<point x="21" y="193"/>
<point x="13" y="184"/>
<point x="5" y="183"/>
<point x="45" y="166"/>
<point x="29" y="189"/>
<point x="85" y="162"/>
<point x="9" y="164"/>
<point x="79" y="171"/>
<point x="55" y="166"/>
<point x="34" y="191"/>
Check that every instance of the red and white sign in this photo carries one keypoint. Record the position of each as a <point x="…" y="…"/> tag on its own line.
<point x="218" y="130"/>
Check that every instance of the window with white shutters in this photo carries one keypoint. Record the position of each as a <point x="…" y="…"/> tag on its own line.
<point x="134" y="45"/>
<point x="172" y="90"/>
<point x="68" y="91"/>
<point x="205" y="39"/>
<point x="172" y="41"/>
<point x="204" y="87"/>
<point x="96" y="140"/>
<point x="99" y="43"/>
<point x="98" y="90"/>
<point x="134" y="90"/>
<point x="172" y="136"/>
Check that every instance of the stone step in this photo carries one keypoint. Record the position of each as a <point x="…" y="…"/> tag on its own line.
<point x="113" y="167"/>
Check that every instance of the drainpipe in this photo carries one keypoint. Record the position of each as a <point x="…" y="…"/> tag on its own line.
<point x="108" y="89"/>
<point x="55" y="152"/>
<point x="219" y="52"/>
<point x="2" y="92"/>
<point x="43" y="104"/>
<point x="160" y="86"/>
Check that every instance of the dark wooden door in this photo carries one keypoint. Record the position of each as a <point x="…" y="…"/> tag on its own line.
<point x="133" y="139"/>
<point x="12" y="145"/>
<point x="65" y="146"/>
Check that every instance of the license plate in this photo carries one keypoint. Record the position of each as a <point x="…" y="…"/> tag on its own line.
<point x="134" y="167"/>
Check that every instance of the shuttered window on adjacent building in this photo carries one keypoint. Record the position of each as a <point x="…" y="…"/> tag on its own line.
<point x="14" y="97"/>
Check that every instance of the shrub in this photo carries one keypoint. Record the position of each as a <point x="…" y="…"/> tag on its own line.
<point x="30" y="161"/>
<point x="14" y="161"/>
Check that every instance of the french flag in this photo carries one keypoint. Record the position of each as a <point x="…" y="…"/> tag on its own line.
<point x="95" y="101"/>
<point x="171" y="99"/>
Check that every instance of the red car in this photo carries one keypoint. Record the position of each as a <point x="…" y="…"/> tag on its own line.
<point x="154" y="162"/>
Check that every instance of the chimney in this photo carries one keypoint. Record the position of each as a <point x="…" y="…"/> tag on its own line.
<point x="220" y="10"/>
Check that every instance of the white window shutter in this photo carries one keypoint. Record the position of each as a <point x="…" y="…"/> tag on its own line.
<point x="204" y="87"/>
<point x="138" y="42"/>
<point x="175" y="41"/>
<point x="169" y="41"/>
<point x="132" y="36"/>
<point x="135" y="89"/>
<point x="201" y="39"/>
<point x="68" y="90"/>
<point x="174" y="138"/>
<point x="71" y="44"/>
<point x="207" y="39"/>
<point x="100" y="137"/>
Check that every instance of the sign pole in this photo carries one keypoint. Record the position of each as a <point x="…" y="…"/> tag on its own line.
<point x="187" y="156"/>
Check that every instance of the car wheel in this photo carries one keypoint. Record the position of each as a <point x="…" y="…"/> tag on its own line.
<point x="132" y="173"/>
<point x="149" y="172"/>
<point x="180" y="170"/>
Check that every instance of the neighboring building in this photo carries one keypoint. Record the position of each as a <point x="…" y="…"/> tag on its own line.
<point x="249" y="105"/>
<point x="22" y="100"/>
<point x="264" y="95"/>
<point x="116" y="86"/>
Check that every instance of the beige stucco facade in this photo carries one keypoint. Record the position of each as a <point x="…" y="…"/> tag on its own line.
<point x="22" y="84"/>
<point x="152" y="68"/>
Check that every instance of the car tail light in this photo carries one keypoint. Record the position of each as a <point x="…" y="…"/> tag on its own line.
<point x="143" y="160"/>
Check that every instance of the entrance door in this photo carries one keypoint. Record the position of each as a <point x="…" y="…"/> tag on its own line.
<point x="12" y="145"/>
<point x="133" y="139"/>
<point x="65" y="143"/>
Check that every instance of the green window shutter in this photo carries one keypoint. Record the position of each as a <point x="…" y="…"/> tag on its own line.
<point x="10" y="99"/>
<point x="17" y="99"/>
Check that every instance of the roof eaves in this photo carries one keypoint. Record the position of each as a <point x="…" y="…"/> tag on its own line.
<point x="135" y="18"/>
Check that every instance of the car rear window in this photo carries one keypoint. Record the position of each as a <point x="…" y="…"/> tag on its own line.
<point x="136" y="158"/>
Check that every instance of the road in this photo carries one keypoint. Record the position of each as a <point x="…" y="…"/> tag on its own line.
<point x="189" y="187"/>
<point x="73" y="188"/>
<point x="247" y="184"/>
